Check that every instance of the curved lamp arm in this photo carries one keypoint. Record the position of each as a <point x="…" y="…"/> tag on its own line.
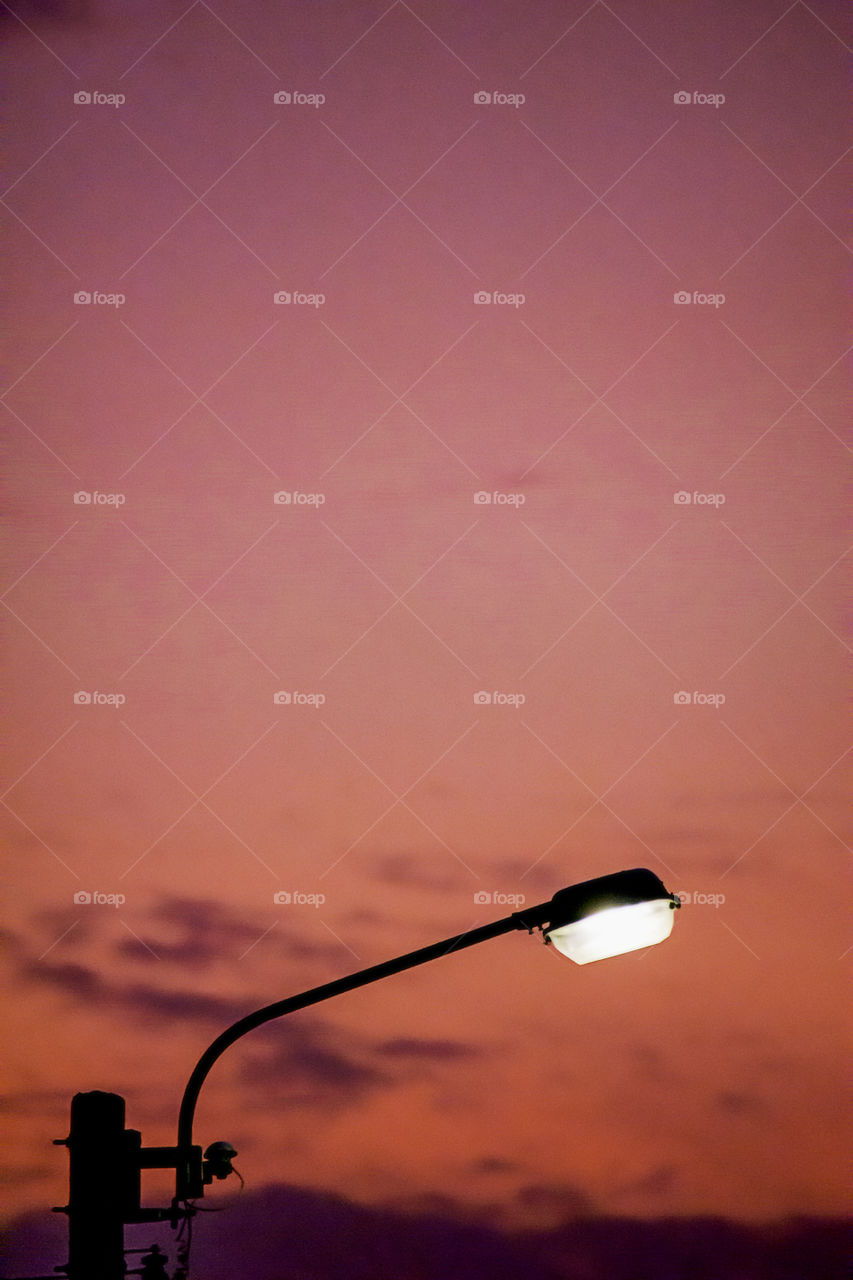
<point x="189" y="1161"/>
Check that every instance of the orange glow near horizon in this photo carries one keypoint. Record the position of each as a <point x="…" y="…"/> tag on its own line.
<point x="428" y="503"/>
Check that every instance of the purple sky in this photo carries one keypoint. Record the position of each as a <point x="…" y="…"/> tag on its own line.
<point x="384" y="397"/>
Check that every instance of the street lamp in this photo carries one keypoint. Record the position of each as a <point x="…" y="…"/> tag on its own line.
<point x="604" y="917"/>
<point x="611" y="915"/>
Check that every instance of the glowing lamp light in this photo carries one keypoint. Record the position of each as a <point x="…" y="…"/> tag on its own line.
<point x="611" y="915"/>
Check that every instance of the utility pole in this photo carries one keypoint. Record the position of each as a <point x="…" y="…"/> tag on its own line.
<point x="106" y="1160"/>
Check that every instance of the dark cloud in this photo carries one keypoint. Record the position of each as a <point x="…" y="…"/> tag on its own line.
<point x="197" y="932"/>
<point x="135" y="999"/>
<point x="494" y="1164"/>
<point x="657" y="1182"/>
<point x="558" y="1200"/>
<point x="311" y="1061"/>
<point x="282" y="1230"/>
<point x="428" y="1050"/>
<point x="739" y="1103"/>
<point x="421" y="873"/>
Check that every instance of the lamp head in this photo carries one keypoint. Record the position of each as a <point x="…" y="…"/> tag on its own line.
<point x="610" y="915"/>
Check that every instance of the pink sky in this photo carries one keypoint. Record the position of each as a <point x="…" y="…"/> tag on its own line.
<point x="702" y="1077"/>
